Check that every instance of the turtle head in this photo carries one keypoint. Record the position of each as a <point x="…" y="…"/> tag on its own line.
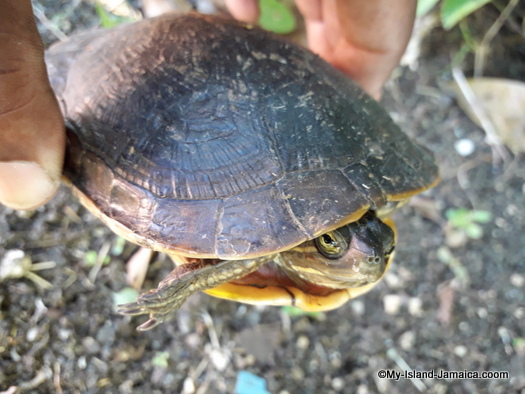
<point x="351" y="256"/>
<point x="323" y="273"/>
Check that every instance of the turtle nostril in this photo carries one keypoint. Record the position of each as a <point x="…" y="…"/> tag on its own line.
<point x="374" y="259"/>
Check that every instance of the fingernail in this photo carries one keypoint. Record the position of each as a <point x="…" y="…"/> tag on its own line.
<point x="25" y="185"/>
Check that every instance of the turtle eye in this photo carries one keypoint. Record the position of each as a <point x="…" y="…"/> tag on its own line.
<point x="331" y="245"/>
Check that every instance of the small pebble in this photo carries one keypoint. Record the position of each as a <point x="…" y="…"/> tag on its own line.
<point x="82" y="363"/>
<point x="64" y="334"/>
<point x="460" y="351"/>
<point x="482" y="313"/>
<point x="517" y="280"/>
<point x="32" y="334"/>
<point x="335" y="359"/>
<point x="464" y="147"/>
<point x="14" y="264"/>
<point x="392" y="303"/>
<point x="407" y="340"/>
<point x="193" y="340"/>
<point x="297" y="374"/>
<point x="456" y="238"/>
<point x="362" y="389"/>
<point x="338" y="384"/>
<point x="415" y="306"/>
<point x="393" y="281"/>
<point x="250" y="360"/>
<point x="303" y="342"/>
<point x="107" y="333"/>
<point x="126" y="387"/>
<point x="188" y="387"/>
<point x="100" y="365"/>
<point x="358" y="307"/>
<point x="219" y="359"/>
<point x="91" y="346"/>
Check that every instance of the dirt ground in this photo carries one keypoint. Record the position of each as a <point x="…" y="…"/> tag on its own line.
<point x="445" y="305"/>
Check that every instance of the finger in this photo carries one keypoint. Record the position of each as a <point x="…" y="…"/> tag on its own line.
<point x="31" y="126"/>
<point x="363" y="38"/>
<point x="375" y="35"/>
<point x="312" y="11"/>
<point x="322" y="25"/>
<point x="243" y="10"/>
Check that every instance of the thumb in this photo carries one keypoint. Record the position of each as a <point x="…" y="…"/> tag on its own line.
<point x="31" y="126"/>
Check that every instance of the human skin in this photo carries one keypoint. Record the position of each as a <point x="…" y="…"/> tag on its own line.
<point x="31" y="126"/>
<point x="363" y="38"/>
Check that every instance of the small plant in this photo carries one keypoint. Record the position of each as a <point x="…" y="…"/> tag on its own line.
<point x="114" y="16"/>
<point x="91" y="258"/>
<point x="468" y="221"/>
<point x="161" y="359"/>
<point x="452" y="11"/>
<point x="293" y="311"/>
<point x="124" y="296"/>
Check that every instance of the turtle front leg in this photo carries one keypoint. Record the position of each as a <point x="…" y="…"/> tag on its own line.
<point x="185" y="280"/>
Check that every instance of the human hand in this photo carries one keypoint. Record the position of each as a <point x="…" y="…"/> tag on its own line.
<point x="365" y="39"/>
<point x="32" y="134"/>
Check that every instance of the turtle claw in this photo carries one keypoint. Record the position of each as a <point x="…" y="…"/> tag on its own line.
<point x="151" y="323"/>
<point x="130" y="309"/>
<point x="159" y="304"/>
<point x="157" y="314"/>
<point x="136" y="309"/>
<point x="150" y="297"/>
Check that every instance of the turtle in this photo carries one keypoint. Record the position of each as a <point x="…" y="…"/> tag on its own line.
<point x="267" y="175"/>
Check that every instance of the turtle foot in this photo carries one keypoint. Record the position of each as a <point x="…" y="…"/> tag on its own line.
<point x="183" y="281"/>
<point x="159" y="303"/>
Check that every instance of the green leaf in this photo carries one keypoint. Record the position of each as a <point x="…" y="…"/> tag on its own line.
<point x="481" y="216"/>
<point x="470" y="42"/>
<point x="295" y="312"/>
<point x="276" y="16"/>
<point x="424" y="6"/>
<point x="124" y="296"/>
<point x="108" y="20"/>
<point x="118" y="246"/>
<point x="453" y="11"/>
<point x="459" y="218"/>
<point x="90" y="258"/>
<point x="444" y="255"/>
<point x="161" y="359"/>
<point x="474" y="231"/>
<point x="460" y="272"/>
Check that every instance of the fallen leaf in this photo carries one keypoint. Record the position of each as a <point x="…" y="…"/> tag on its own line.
<point x="503" y="100"/>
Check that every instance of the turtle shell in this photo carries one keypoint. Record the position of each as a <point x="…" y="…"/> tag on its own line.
<point x="206" y="137"/>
